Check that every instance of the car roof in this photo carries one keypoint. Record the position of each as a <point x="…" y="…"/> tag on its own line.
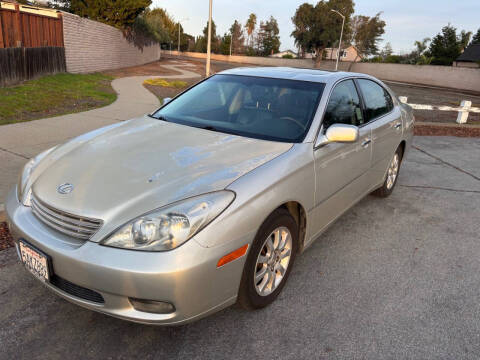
<point x="291" y="73"/>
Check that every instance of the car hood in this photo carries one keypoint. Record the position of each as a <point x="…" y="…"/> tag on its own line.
<point x="130" y="168"/>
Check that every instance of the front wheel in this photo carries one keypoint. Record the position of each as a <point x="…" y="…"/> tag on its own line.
<point x="392" y="175"/>
<point x="269" y="261"/>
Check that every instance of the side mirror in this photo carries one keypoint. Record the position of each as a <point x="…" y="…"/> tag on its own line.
<point x="341" y="133"/>
<point x="166" y="100"/>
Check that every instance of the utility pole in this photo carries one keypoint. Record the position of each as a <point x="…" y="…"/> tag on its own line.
<point x="231" y="41"/>
<point x="341" y="35"/>
<point x="209" y="40"/>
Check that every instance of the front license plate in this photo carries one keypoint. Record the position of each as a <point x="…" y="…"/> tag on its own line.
<point x="34" y="260"/>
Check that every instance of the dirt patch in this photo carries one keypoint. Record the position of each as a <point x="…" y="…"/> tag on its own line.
<point x="156" y="68"/>
<point x="6" y="240"/>
<point x="443" y="130"/>
<point x="445" y="117"/>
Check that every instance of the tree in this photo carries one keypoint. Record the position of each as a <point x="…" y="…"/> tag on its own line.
<point x="118" y="13"/>
<point x="418" y="55"/>
<point x="464" y="39"/>
<point x="421" y="46"/>
<point x="250" y="26"/>
<point x="225" y="45"/>
<point x="476" y="38"/>
<point x="366" y="33"/>
<point x="201" y="44"/>
<point x="162" y="25"/>
<point x="268" y="37"/>
<point x="445" y="47"/>
<point x="237" y="37"/>
<point x="317" y="28"/>
<point x="386" y="51"/>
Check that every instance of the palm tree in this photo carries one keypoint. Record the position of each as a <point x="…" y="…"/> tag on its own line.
<point x="464" y="39"/>
<point x="422" y="45"/>
<point x="250" y="26"/>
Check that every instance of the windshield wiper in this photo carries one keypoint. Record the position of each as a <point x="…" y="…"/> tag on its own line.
<point x="161" y="117"/>
<point x="211" y="128"/>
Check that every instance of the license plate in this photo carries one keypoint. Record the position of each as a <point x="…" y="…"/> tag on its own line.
<point x="34" y="260"/>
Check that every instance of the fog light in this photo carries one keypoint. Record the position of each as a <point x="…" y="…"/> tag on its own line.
<point x="151" y="306"/>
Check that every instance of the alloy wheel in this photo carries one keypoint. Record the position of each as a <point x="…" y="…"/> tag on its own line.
<point x="273" y="261"/>
<point x="393" y="171"/>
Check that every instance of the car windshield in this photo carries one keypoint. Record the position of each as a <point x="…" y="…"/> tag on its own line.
<point x="261" y="108"/>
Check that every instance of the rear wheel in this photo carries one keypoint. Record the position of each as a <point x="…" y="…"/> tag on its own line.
<point x="392" y="175"/>
<point x="269" y="261"/>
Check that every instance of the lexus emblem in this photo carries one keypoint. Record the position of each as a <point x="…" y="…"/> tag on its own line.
<point x="65" y="188"/>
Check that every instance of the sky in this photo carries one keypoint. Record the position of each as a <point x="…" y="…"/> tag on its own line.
<point x="407" y="20"/>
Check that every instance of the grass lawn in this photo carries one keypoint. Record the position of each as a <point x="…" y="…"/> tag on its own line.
<point x="54" y="95"/>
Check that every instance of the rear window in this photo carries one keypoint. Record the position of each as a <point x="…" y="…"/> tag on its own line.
<point x="263" y="108"/>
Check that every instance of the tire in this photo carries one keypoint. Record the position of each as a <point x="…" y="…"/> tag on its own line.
<point x="250" y="296"/>
<point x="388" y="185"/>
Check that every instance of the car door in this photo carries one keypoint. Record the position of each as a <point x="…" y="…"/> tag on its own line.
<point x="341" y="169"/>
<point x="386" y="124"/>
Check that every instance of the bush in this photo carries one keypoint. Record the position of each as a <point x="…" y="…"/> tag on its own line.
<point x="287" y="56"/>
<point x="394" y="59"/>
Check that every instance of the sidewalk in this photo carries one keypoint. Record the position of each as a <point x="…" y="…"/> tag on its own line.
<point x="19" y="142"/>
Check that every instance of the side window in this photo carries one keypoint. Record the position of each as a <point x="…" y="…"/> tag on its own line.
<point x="344" y="106"/>
<point x="377" y="100"/>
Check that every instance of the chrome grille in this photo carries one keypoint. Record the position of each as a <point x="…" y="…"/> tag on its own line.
<point x="71" y="225"/>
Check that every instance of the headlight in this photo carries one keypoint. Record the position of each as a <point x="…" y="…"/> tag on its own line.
<point x="170" y="226"/>
<point x="22" y="191"/>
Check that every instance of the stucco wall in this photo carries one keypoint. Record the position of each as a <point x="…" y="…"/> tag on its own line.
<point x="442" y="76"/>
<point x="92" y="46"/>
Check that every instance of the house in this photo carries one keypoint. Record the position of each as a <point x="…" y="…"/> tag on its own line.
<point x="470" y="57"/>
<point x="287" y="53"/>
<point x="348" y="54"/>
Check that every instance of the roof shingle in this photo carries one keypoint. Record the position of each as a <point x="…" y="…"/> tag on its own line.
<point x="471" y="54"/>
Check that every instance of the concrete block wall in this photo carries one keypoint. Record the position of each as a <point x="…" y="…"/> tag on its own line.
<point x="93" y="46"/>
<point x="439" y="76"/>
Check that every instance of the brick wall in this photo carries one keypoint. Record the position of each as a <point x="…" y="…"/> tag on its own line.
<point x="92" y="46"/>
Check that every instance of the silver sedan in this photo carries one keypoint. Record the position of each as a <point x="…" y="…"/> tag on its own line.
<point x="207" y="201"/>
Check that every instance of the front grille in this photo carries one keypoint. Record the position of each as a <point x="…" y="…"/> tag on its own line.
<point x="75" y="290"/>
<point x="71" y="225"/>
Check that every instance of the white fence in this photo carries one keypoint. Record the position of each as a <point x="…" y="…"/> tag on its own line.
<point x="463" y="110"/>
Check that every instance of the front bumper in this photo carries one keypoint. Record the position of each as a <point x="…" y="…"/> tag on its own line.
<point x="187" y="276"/>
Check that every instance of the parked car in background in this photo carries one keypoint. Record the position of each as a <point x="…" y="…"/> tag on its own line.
<point x="206" y="202"/>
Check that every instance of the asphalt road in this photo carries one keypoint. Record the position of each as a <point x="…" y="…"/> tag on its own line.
<point x="394" y="278"/>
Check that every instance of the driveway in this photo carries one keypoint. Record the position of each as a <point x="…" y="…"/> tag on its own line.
<point x="393" y="278"/>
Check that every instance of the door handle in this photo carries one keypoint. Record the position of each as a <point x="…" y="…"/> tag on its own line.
<point x="397" y="125"/>
<point x="366" y="143"/>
